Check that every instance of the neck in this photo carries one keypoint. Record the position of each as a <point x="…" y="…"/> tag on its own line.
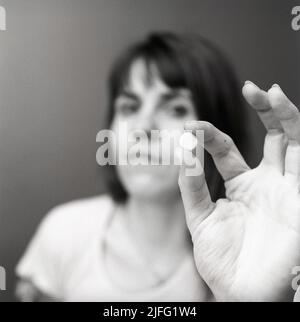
<point x="156" y="223"/>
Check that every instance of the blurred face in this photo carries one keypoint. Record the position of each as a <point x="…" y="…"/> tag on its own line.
<point x="148" y="104"/>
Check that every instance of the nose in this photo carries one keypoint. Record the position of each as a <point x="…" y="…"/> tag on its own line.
<point x="146" y="122"/>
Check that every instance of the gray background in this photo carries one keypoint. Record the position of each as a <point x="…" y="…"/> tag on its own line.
<point x="54" y="58"/>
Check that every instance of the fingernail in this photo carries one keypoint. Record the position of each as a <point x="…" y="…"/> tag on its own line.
<point x="188" y="122"/>
<point x="190" y="125"/>
<point x="247" y="82"/>
<point x="276" y="85"/>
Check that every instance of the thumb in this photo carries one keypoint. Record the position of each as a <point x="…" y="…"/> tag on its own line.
<point x="194" y="191"/>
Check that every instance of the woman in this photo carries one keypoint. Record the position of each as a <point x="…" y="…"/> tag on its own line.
<point x="151" y="241"/>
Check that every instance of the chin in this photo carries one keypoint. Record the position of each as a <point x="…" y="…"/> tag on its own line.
<point x="147" y="186"/>
<point x="149" y="181"/>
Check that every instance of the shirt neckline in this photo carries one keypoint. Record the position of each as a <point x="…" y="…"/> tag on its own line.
<point x="145" y="291"/>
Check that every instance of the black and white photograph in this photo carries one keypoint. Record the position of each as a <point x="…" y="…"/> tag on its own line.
<point x="150" y="152"/>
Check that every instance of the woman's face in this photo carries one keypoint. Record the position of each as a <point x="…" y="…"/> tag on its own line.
<point x="148" y="104"/>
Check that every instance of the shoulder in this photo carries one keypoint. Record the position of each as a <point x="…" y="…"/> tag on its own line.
<point x="65" y="230"/>
<point x="67" y="225"/>
<point x="78" y="214"/>
<point x="63" y="235"/>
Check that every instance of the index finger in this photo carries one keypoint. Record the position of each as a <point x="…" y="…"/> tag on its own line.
<point x="220" y="146"/>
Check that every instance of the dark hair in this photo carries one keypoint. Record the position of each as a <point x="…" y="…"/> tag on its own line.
<point x="192" y="62"/>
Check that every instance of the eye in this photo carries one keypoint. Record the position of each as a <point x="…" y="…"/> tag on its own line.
<point x="127" y="108"/>
<point x="179" y="110"/>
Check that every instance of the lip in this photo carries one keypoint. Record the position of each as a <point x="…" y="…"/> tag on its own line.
<point x="144" y="155"/>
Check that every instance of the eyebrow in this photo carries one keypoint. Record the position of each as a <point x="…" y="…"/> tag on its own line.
<point x="174" y="93"/>
<point x="164" y="97"/>
<point x="129" y="94"/>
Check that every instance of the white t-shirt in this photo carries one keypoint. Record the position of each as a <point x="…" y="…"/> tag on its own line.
<point x="65" y="259"/>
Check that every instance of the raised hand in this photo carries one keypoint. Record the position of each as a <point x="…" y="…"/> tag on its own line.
<point x="246" y="245"/>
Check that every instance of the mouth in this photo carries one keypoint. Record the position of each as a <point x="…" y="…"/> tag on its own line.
<point x="143" y="158"/>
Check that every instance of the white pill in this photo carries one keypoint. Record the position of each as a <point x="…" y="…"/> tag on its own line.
<point x="188" y="141"/>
